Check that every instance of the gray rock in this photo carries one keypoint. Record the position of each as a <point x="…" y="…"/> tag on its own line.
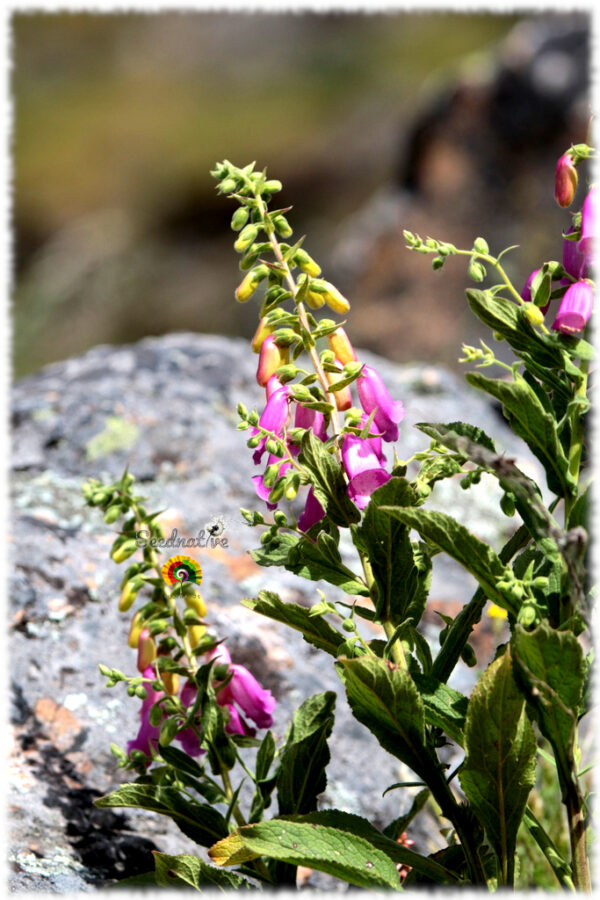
<point x="166" y="408"/>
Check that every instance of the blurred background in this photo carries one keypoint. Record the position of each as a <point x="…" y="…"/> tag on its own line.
<point x="447" y="124"/>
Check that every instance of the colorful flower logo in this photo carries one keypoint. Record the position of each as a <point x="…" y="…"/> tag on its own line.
<point x="179" y="569"/>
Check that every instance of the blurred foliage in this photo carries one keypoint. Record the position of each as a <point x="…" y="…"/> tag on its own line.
<point x="119" y="117"/>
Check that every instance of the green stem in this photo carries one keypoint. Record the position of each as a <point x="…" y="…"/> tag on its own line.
<point x="388" y="626"/>
<point x="577" y="836"/>
<point x="577" y="436"/>
<point x="494" y="262"/>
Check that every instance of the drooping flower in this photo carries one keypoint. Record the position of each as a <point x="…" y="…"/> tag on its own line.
<point x="374" y="395"/>
<point x="362" y="461"/>
<point x="313" y="512"/>
<point x="589" y="226"/>
<point x="565" y="180"/>
<point x="526" y="292"/>
<point x="339" y="344"/>
<point x="575" y="308"/>
<point x="274" y="416"/>
<point x="246" y="693"/>
<point x="310" y="419"/>
<point x="574" y="260"/>
<point x="271" y="357"/>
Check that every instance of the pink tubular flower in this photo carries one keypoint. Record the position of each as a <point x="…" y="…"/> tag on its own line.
<point x="147" y="736"/>
<point x="575" y="308"/>
<point x="189" y="740"/>
<point x="274" y="416"/>
<point x="262" y="490"/>
<point x="574" y="260"/>
<point x="311" y="419"/>
<point x="245" y="691"/>
<point x="589" y="226"/>
<point x="565" y="180"/>
<point x="363" y="465"/>
<point x="526" y="292"/>
<point x="374" y="395"/>
<point x="313" y="512"/>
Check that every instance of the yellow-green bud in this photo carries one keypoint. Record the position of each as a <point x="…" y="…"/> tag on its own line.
<point x="129" y="593"/>
<point x="533" y="313"/>
<point x="282" y="226"/>
<point x="195" y="633"/>
<point x="263" y="331"/>
<point x="272" y="186"/>
<point x="247" y="236"/>
<point x="333" y="298"/>
<point x="134" y="631"/>
<point x="307" y="263"/>
<point x="123" y="551"/>
<point x="195" y="602"/>
<point x="146" y="650"/>
<point x="239" y="218"/>
<point x="112" y="513"/>
<point x="315" y="301"/>
<point x="339" y="343"/>
<point x="249" y="284"/>
<point x="171" y="682"/>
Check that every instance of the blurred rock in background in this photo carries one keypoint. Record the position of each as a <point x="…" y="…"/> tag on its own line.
<point x="443" y="123"/>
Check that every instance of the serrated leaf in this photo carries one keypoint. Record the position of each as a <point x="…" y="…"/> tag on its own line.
<point x="301" y="772"/>
<point x="385" y="699"/>
<point x="445" y="533"/>
<point x="533" y="423"/>
<point x="322" y="560"/>
<point x="315" y="630"/>
<point x="550" y="671"/>
<point x="200" y="822"/>
<point x="440" y="432"/>
<point x="180" y="760"/>
<point x="499" y="769"/>
<point x="340" y="844"/>
<point x="401" y="585"/>
<point x="329" y="484"/>
<point x="177" y="871"/>
<point x="444" y="706"/>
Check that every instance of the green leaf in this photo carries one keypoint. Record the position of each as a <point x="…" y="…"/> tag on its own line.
<point x="533" y="423"/>
<point x="314" y="629"/>
<point x="475" y="446"/>
<point x="499" y="769"/>
<point x="329" y="484"/>
<point x="395" y="828"/>
<point x="185" y="870"/>
<point x="322" y="560"/>
<point x="385" y="699"/>
<point x="444" y="707"/>
<point x="200" y="822"/>
<point x="559" y="866"/>
<point x="550" y="670"/>
<point x="303" y="761"/>
<point x="340" y="844"/>
<point x="402" y="583"/>
<point x="445" y="533"/>
<point x="180" y="760"/>
<point x="506" y="318"/>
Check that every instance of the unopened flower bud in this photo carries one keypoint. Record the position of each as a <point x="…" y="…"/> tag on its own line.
<point x="307" y="263"/>
<point x="112" y="513"/>
<point x="282" y="226"/>
<point x="134" y="631"/>
<point x="171" y="682"/>
<point x="146" y="650"/>
<point x="342" y="397"/>
<point x="195" y="633"/>
<point x="272" y="186"/>
<point x="246" y="237"/>
<point x="533" y="313"/>
<point x="129" y="593"/>
<point x="262" y="332"/>
<point x="250" y="282"/>
<point x="315" y="301"/>
<point x="195" y="602"/>
<point x="565" y="180"/>
<point x="269" y="360"/>
<point x="340" y="344"/>
<point x="123" y="551"/>
<point x="333" y="298"/>
<point x="239" y="218"/>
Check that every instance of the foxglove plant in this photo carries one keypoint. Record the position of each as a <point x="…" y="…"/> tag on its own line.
<point x="326" y="471"/>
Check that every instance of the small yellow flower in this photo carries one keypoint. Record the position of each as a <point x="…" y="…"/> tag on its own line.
<point x="496" y="612"/>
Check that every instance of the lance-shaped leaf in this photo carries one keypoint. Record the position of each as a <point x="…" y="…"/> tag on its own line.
<point x="402" y="583"/>
<point x="189" y="871"/>
<point x="329" y="484"/>
<point x="301" y="773"/>
<point x="309" y="559"/>
<point x="530" y="420"/>
<point x="385" y="699"/>
<point x="445" y="533"/>
<point x="340" y="844"/>
<point x="476" y="446"/>
<point x="314" y="629"/>
<point x="499" y="769"/>
<point x="549" y="668"/>
<point x="444" y="706"/>
<point x="200" y="822"/>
